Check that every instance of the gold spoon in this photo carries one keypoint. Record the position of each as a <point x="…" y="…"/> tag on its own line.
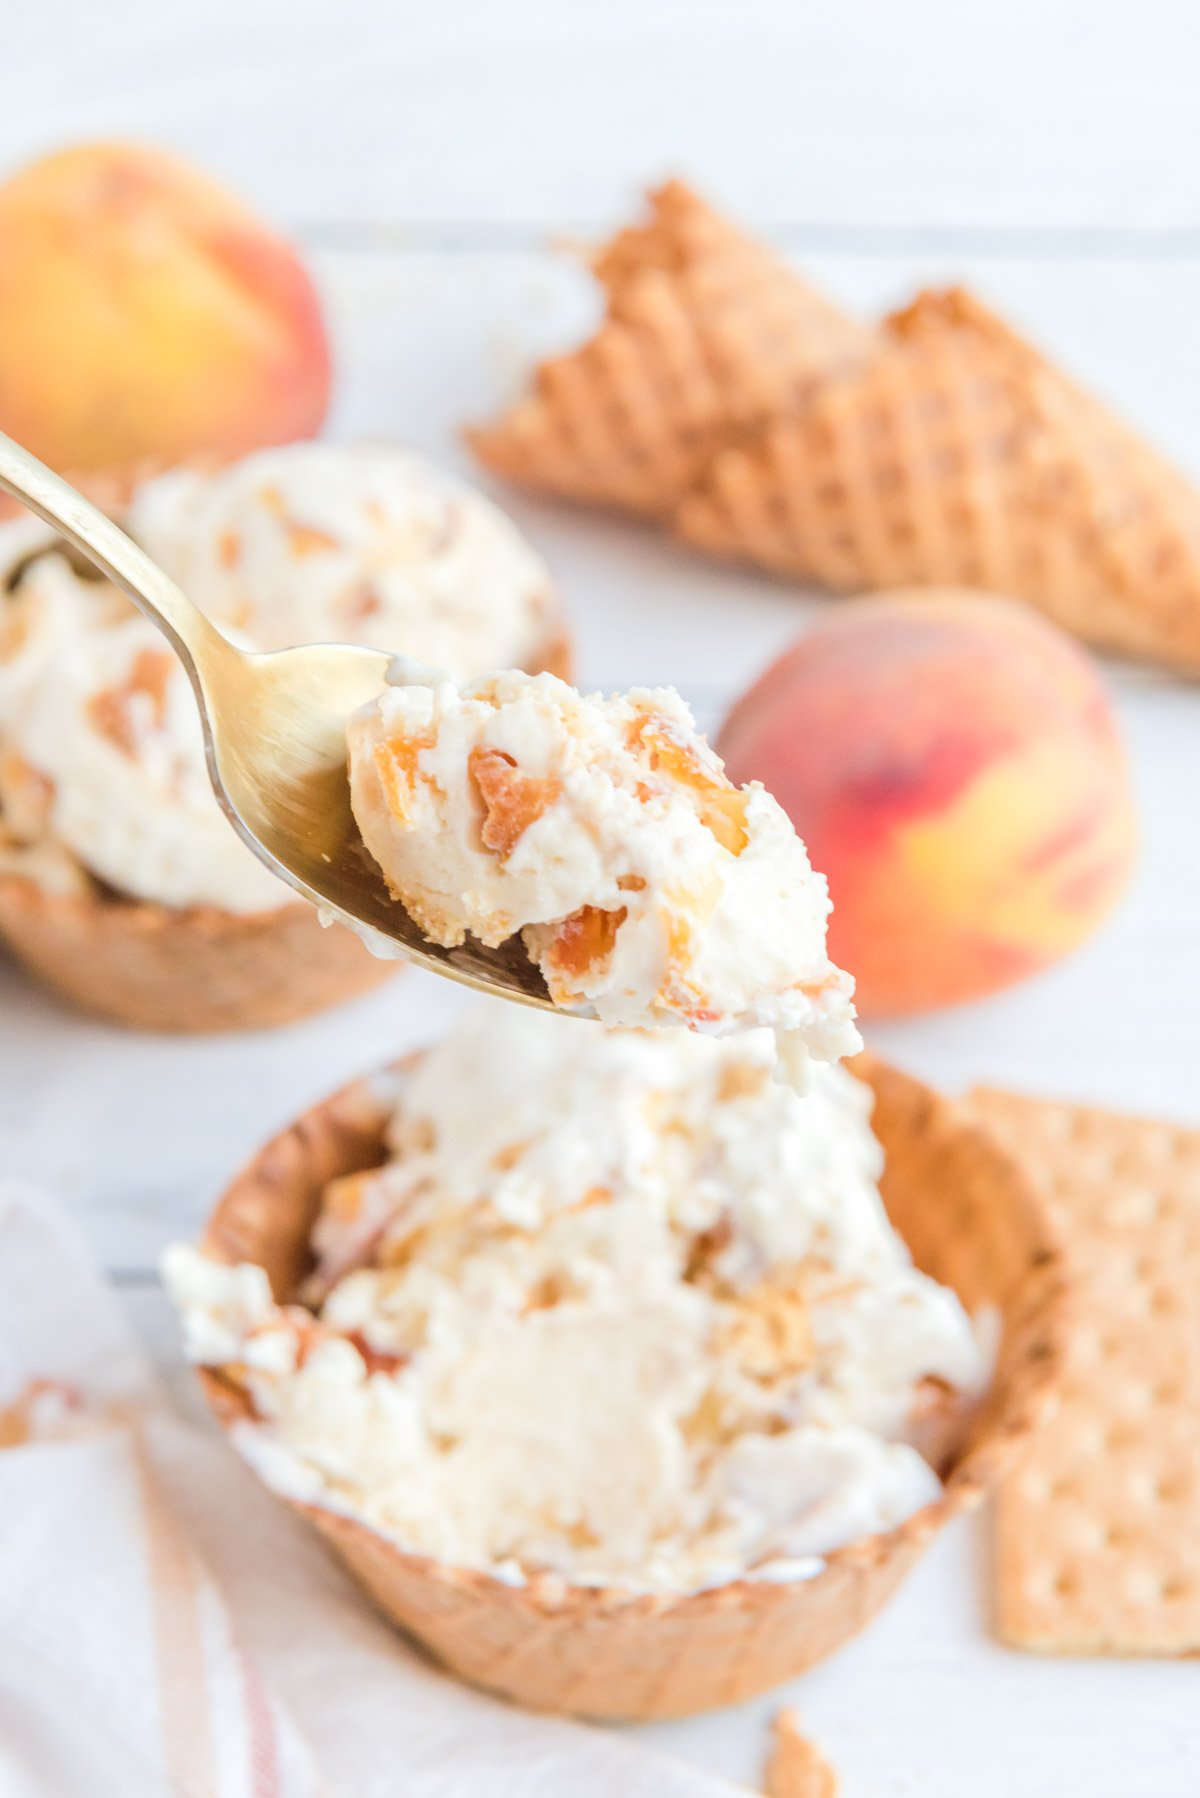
<point x="275" y="739"/>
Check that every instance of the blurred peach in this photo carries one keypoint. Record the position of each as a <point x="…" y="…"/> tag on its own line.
<point x="147" y="315"/>
<point x="955" y="768"/>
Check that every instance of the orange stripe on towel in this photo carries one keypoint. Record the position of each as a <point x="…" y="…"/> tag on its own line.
<point x="183" y="1695"/>
<point x="261" y="1727"/>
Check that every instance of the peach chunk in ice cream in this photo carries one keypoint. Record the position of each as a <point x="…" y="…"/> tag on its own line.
<point x="605" y="832"/>
<point x="147" y="315"/>
<point x="956" y="770"/>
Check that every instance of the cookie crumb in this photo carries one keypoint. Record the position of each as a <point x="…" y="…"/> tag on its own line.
<point x="797" y="1769"/>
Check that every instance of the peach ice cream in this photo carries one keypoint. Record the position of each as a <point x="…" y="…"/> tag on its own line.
<point x="605" y="832"/>
<point x="102" y="771"/>
<point x="352" y="543"/>
<point x="619" y="1307"/>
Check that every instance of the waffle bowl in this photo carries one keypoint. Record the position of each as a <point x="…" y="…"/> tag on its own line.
<point x="970" y="1219"/>
<point x="196" y="970"/>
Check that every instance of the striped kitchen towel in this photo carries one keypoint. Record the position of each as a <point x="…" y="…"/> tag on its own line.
<point x="167" y="1631"/>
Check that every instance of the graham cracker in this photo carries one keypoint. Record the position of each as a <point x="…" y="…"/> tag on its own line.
<point x="797" y="1768"/>
<point x="705" y="332"/>
<point x="1097" y="1546"/>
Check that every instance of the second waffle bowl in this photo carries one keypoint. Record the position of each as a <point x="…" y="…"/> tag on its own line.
<point x="970" y="1220"/>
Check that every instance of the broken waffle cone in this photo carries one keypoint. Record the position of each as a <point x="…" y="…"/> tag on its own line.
<point x="971" y="1220"/>
<point x="705" y="333"/>
<point x="797" y="1768"/>
<point x="200" y="969"/>
<point x="957" y="455"/>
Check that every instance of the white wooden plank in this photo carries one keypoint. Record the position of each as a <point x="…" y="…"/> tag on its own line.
<point x="925" y="1705"/>
<point x="864" y="112"/>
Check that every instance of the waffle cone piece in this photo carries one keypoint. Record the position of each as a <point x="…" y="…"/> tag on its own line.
<point x="705" y="333"/>
<point x="957" y="455"/>
<point x="969" y="1218"/>
<point x="197" y="970"/>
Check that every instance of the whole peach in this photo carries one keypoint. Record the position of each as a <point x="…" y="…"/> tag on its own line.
<point x="954" y="766"/>
<point x="147" y="315"/>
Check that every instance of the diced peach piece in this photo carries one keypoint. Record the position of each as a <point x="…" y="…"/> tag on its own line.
<point x="724" y="813"/>
<point x="678" y="992"/>
<point x="112" y="711"/>
<point x="306" y="540"/>
<point x="720" y="807"/>
<point x="953" y="763"/>
<point x="512" y="801"/>
<point x="146" y="315"/>
<point x="396" y="764"/>
<point x="373" y="1359"/>
<point x="26" y="797"/>
<point x="584" y="940"/>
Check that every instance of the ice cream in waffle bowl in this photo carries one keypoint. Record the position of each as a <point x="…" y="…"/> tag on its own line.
<point x="120" y="881"/>
<point x="625" y="1377"/>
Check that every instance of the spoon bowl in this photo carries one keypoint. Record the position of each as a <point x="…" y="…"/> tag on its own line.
<point x="275" y="739"/>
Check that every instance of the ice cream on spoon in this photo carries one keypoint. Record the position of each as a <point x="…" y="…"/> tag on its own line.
<point x="604" y="834"/>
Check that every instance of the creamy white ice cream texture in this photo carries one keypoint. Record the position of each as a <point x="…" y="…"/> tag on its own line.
<point x="351" y="543"/>
<point x="102" y="772"/>
<point x="621" y="1308"/>
<point x="643" y="883"/>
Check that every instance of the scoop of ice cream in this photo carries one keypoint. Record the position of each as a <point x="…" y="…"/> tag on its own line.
<point x="604" y="830"/>
<point x="101" y="755"/>
<point x="102" y="773"/>
<point x="619" y="1306"/>
<point x="360" y="543"/>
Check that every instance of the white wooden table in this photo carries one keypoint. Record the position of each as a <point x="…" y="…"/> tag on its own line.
<point x="1044" y="152"/>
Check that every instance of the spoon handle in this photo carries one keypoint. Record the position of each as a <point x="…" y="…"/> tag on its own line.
<point x="112" y="552"/>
